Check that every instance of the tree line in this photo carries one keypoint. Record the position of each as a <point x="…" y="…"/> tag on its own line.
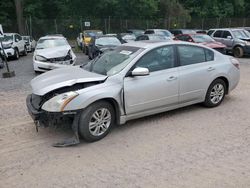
<point x="121" y="9"/>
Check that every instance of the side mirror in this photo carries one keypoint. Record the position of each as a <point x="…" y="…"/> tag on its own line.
<point x="73" y="46"/>
<point x="140" y="71"/>
<point x="229" y="37"/>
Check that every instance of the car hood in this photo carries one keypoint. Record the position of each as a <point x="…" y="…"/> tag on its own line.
<point x="48" y="53"/>
<point x="245" y="39"/>
<point x="62" y="77"/>
<point x="214" y="44"/>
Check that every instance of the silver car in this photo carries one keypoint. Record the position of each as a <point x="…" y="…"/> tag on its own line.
<point x="135" y="80"/>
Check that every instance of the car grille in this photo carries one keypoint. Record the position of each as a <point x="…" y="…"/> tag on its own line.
<point x="59" y="59"/>
<point x="36" y="101"/>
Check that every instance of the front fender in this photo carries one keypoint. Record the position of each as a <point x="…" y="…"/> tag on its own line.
<point x="84" y="99"/>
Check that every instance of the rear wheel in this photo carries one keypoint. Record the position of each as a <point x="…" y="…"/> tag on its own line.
<point x="96" y="121"/>
<point x="238" y="52"/>
<point x="216" y="93"/>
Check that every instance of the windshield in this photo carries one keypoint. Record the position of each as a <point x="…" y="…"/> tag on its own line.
<point x="163" y="32"/>
<point x="202" y="38"/>
<point x="157" y="37"/>
<point x="50" y="43"/>
<point x="104" y="41"/>
<point x="241" y="34"/>
<point x="26" y="38"/>
<point x="113" y="62"/>
<point x="92" y="33"/>
<point x="7" y="38"/>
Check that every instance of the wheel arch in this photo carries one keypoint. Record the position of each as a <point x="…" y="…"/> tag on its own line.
<point x="225" y="80"/>
<point x="114" y="104"/>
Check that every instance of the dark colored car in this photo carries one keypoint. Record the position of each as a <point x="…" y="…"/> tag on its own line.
<point x="176" y="32"/>
<point x="151" y="37"/>
<point x="101" y="44"/>
<point x="202" y="39"/>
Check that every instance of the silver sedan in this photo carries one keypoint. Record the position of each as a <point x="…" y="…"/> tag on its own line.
<point x="134" y="80"/>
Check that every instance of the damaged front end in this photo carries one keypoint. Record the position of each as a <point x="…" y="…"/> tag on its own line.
<point x="37" y="107"/>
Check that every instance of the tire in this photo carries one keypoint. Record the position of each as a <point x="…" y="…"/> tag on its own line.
<point x="238" y="52"/>
<point x="25" y="51"/>
<point x="99" y="128"/>
<point x="86" y="50"/>
<point x="16" y="54"/>
<point x="215" y="93"/>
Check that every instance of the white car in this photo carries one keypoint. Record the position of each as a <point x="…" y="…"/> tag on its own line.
<point x="51" y="52"/>
<point x="13" y="45"/>
<point x="30" y="43"/>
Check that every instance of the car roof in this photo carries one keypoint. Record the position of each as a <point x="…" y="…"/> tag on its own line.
<point x="53" y="37"/>
<point x="10" y="33"/>
<point x="232" y="29"/>
<point x="149" y="44"/>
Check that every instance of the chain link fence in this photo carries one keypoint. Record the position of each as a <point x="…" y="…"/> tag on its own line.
<point x="70" y="28"/>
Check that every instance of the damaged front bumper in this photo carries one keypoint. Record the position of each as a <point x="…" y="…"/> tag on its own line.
<point x="45" y="119"/>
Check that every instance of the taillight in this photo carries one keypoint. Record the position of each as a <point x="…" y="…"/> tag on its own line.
<point x="235" y="62"/>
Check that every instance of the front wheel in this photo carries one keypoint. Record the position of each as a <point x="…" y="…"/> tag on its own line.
<point x="238" y="52"/>
<point x="215" y="94"/>
<point x="25" y="53"/>
<point x="96" y="121"/>
<point x="16" y="54"/>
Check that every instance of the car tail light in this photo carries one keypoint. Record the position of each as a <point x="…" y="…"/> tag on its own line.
<point x="235" y="62"/>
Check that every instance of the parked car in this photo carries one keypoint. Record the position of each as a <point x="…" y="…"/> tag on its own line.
<point x="176" y="32"/>
<point x="134" y="80"/>
<point x="30" y="43"/>
<point x="136" y="32"/>
<point x="152" y="37"/>
<point x="126" y="37"/>
<point x="101" y="44"/>
<point x="79" y="40"/>
<point x="87" y="34"/>
<point x="52" y="51"/>
<point x="237" y="41"/>
<point x="13" y="45"/>
<point x="163" y="32"/>
<point x="203" y="39"/>
<point x="246" y="28"/>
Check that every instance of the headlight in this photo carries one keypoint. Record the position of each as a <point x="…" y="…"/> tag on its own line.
<point x="7" y="45"/>
<point x="58" y="103"/>
<point x="40" y="58"/>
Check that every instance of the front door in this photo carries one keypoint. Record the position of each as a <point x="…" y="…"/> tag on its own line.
<point x="156" y="90"/>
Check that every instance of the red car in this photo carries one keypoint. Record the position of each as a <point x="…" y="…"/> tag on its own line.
<point x="202" y="39"/>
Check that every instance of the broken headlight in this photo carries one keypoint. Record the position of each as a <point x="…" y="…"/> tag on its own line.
<point x="58" y="103"/>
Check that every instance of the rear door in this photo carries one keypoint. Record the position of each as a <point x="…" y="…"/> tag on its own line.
<point x="196" y="68"/>
<point x="217" y="35"/>
<point x="159" y="88"/>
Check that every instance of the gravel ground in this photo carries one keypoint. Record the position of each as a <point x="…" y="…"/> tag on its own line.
<point x="188" y="147"/>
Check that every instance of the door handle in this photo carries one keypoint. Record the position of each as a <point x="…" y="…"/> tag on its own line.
<point x="171" y="78"/>
<point x="211" y="69"/>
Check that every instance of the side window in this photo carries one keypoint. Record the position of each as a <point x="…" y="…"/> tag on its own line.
<point x="218" y="34"/>
<point x="226" y="34"/>
<point x="209" y="55"/>
<point x="158" y="59"/>
<point x="191" y="55"/>
<point x="149" y="32"/>
<point x="210" y="32"/>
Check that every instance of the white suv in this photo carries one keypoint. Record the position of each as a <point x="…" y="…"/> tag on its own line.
<point x="14" y="45"/>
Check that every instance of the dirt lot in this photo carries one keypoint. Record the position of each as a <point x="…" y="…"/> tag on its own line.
<point x="190" y="147"/>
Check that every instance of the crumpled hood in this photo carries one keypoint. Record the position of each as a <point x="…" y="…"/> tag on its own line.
<point x="54" y="52"/>
<point x="62" y="77"/>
